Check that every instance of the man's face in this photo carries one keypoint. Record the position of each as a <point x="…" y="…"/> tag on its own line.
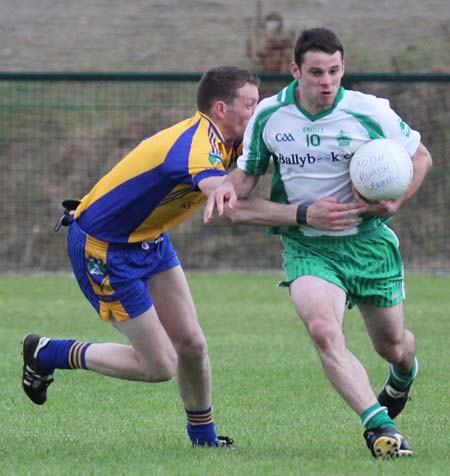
<point x="319" y="78"/>
<point x="238" y="113"/>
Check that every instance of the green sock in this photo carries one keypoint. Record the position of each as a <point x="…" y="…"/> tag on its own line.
<point x="376" y="416"/>
<point x="400" y="380"/>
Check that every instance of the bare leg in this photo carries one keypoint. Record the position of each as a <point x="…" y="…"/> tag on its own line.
<point x="175" y="307"/>
<point x="150" y="357"/>
<point x="321" y="306"/>
<point x="391" y="340"/>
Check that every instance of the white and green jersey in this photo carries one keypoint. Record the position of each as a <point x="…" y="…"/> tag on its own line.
<point x="312" y="153"/>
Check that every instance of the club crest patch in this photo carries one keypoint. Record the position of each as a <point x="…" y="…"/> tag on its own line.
<point x="215" y="159"/>
<point x="96" y="267"/>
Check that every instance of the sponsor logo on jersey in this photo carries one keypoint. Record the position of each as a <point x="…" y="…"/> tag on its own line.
<point x="404" y="127"/>
<point x="215" y="159"/>
<point x="309" y="159"/>
<point x="343" y="139"/>
<point x="284" y="137"/>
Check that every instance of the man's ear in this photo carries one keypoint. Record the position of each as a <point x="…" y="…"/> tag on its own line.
<point x="219" y="109"/>
<point x="295" y="70"/>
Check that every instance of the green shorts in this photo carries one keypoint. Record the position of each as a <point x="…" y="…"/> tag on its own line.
<point x="367" y="266"/>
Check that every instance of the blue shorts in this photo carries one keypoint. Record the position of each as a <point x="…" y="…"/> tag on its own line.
<point x="114" y="277"/>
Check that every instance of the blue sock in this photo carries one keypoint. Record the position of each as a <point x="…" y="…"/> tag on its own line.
<point x="62" y="354"/>
<point x="201" y="428"/>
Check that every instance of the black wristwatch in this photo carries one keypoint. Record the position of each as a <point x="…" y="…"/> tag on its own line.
<point x="301" y="214"/>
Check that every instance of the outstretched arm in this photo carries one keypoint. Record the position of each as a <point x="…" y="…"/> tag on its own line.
<point x="257" y="211"/>
<point x="238" y="184"/>
<point x="324" y="214"/>
<point x="231" y="196"/>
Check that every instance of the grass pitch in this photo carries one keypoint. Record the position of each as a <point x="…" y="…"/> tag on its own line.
<point x="269" y="390"/>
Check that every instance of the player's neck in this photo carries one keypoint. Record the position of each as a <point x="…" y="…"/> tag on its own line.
<point x="228" y="144"/>
<point x="310" y="108"/>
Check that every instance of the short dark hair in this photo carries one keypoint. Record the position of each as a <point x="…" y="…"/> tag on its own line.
<point x="318" y="39"/>
<point x="221" y="84"/>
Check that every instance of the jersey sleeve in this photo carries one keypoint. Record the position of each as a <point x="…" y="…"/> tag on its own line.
<point x="206" y="156"/>
<point x="395" y="128"/>
<point x="205" y="165"/>
<point x="403" y="134"/>
<point x="256" y="155"/>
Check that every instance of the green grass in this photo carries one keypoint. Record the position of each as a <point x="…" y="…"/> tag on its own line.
<point x="269" y="391"/>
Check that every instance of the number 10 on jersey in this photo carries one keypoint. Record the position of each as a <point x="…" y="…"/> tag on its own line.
<point x="312" y="140"/>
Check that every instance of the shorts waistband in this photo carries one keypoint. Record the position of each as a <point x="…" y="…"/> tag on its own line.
<point x="379" y="228"/>
<point x="106" y="245"/>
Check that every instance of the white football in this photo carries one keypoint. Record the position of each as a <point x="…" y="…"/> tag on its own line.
<point x="381" y="170"/>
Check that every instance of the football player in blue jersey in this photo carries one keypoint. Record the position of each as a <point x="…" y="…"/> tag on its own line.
<point x="125" y="263"/>
<point x="338" y="248"/>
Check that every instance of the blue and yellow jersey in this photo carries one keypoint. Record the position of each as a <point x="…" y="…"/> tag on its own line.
<point x="155" y="186"/>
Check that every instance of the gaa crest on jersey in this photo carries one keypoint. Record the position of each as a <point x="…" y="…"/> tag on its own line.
<point x="215" y="159"/>
<point x="343" y="139"/>
<point x="284" y="137"/>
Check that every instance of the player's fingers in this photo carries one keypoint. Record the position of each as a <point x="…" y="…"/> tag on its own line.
<point x="220" y="199"/>
<point x="344" y="220"/>
<point x="232" y="200"/>
<point x="209" y="208"/>
<point x="214" y="201"/>
<point x="353" y="209"/>
<point x="349" y="206"/>
<point x="330" y="199"/>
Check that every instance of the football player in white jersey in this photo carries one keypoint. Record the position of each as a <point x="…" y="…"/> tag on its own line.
<point x="339" y="250"/>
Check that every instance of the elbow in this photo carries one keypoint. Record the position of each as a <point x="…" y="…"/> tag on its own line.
<point x="427" y="161"/>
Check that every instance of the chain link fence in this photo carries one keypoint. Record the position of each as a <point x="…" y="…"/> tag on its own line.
<point x="59" y="133"/>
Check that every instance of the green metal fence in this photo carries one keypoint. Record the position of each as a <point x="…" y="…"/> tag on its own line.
<point x="59" y="133"/>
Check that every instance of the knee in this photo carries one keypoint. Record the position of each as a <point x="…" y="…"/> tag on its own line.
<point x="159" y="374"/>
<point x="160" y="370"/>
<point x="323" y="334"/>
<point x="393" y="352"/>
<point x="397" y="350"/>
<point x="193" y="348"/>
